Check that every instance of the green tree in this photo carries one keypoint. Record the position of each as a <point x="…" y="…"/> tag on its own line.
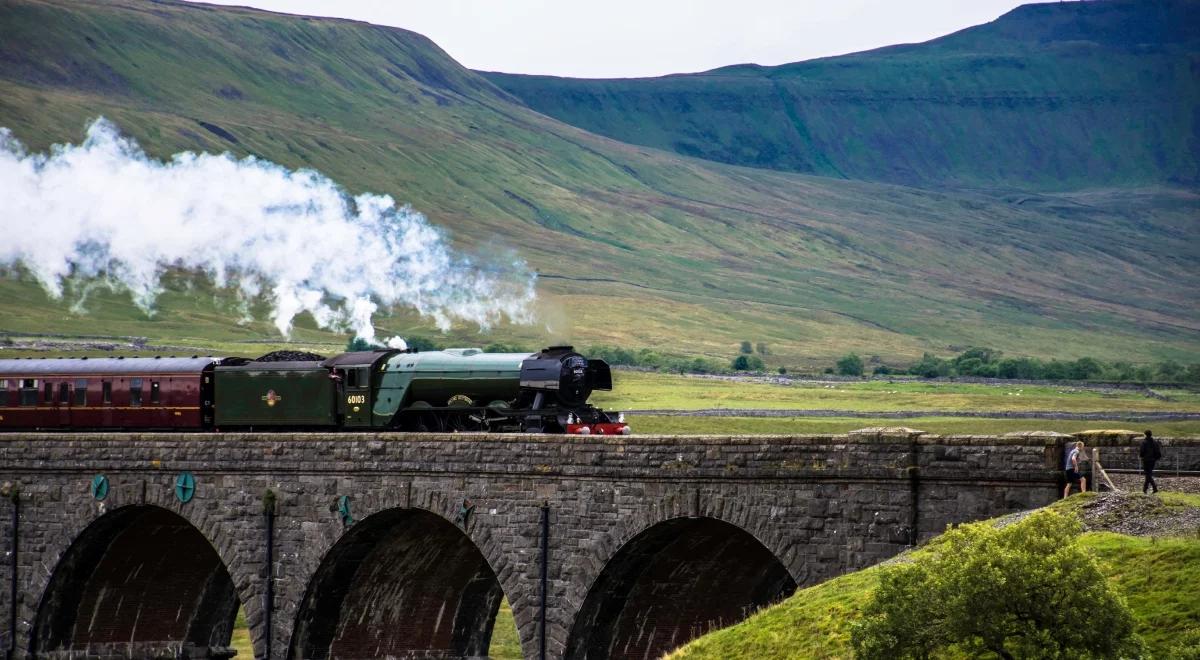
<point x="423" y="343"/>
<point x="932" y="366"/>
<point x="1025" y="368"/>
<point x="850" y="365"/>
<point x="984" y="355"/>
<point x="1026" y="590"/>
<point x="1170" y="371"/>
<point x="501" y="347"/>
<point x="359" y="344"/>
<point x="1086" y="368"/>
<point x="747" y="363"/>
<point x="1192" y="374"/>
<point x="761" y="348"/>
<point x="746" y="347"/>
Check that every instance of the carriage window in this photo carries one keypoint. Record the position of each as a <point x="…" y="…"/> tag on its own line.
<point x="81" y="392"/>
<point x="4" y="393"/>
<point x="64" y="393"/>
<point x="154" y="390"/>
<point x="48" y="393"/>
<point x="29" y="392"/>
<point x="135" y="391"/>
<point x="106" y="391"/>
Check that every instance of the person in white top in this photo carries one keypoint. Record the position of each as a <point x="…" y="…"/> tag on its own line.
<point x="1073" y="456"/>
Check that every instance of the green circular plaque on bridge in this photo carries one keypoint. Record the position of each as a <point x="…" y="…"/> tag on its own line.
<point x="99" y="487"/>
<point x="343" y="507"/>
<point x="185" y="487"/>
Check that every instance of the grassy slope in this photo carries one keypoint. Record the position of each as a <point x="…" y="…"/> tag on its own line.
<point x="1157" y="577"/>
<point x="635" y="246"/>
<point x="1048" y="96"/>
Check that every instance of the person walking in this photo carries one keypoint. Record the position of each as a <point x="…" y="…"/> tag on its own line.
<point x="1074" y="454"/>
<point x="1150" y="452"/>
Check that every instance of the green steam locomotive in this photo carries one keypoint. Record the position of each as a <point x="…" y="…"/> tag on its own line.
<point x="454" y="390"/>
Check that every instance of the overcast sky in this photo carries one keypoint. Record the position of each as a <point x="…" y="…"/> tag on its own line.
<point x="625" y="38"/>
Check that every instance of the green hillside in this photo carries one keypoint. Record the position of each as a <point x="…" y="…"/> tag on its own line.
<point x="635" y="246"/>
<point x="1049" y="96"/>
<point x="1156" y="576"/>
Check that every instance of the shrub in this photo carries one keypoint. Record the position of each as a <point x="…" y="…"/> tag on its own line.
<point x="931" y="366"/>
<point x="359" y="344"/>
<point x="850" y="365"/>
<point x="1086" y="368"/>
<point x="746" y="347"/>
<point x="1192" y="374"/>
<point x="423" y="343"/>
<point x="501" y="347"/>
<point x="1027" y="590"/>
<point x="1170" y="371"/>
<point x="747" y="363"/>
<point x="761" y="348"/>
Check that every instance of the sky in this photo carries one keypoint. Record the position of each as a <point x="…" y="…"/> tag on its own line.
<point x="634" y="38"/>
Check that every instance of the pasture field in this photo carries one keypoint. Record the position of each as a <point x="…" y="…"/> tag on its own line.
<point x="634" y="390"/>
<point x="661" y="424"/>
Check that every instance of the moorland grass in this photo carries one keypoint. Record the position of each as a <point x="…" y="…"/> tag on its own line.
<point x="630" y="243"/>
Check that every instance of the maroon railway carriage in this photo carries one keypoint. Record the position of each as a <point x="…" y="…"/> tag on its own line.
<point x="133" y="393"/>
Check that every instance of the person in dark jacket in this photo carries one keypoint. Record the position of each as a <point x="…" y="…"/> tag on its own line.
<point x="1149" y="452"/>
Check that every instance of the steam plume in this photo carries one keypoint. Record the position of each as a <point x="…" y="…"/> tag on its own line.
<point x="104" y="209"/>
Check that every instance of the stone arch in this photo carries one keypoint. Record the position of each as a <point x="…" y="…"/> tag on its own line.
<point x="672" y="573"/>
<point x="400" y="581"/>
<point x="138" y="580"/>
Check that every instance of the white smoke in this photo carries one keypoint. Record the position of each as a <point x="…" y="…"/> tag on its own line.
<point x="103" y="209"/>
<point x="396" y="342"/>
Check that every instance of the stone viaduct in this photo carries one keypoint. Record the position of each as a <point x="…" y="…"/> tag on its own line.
<point x="400" y="545"/>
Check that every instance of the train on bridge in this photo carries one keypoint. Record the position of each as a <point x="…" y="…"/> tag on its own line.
<point x="454" y="390"/>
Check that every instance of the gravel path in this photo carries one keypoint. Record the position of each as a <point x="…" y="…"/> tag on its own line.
<point x="1132" y="483"/>
<point x="1139" y="515"/>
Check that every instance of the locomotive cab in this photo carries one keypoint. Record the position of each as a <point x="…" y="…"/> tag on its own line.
<point x="355" y="377"/>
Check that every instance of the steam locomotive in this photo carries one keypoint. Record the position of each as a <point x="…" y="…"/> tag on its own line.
<point x="455" y="390"/>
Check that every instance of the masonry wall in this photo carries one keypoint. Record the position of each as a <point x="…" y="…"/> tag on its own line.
<point x="822" y="505"/>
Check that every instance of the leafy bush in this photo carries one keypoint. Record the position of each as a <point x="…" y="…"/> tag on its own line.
<point x="850" y="365"/>
<point x="653" y="360"/>
<point x="746" y="347"/>
<point x="747" y="363"/>
<point x="1027" y="590"/>
<point x="358" y="344"/>
<point x="501" y="347"/>
<point x="932" y="366"/>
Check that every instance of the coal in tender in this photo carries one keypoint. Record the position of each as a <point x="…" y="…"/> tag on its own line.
<point x="290" y="356"/>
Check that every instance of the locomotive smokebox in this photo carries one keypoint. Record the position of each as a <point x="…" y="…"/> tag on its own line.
<point x="565" y="375"/>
